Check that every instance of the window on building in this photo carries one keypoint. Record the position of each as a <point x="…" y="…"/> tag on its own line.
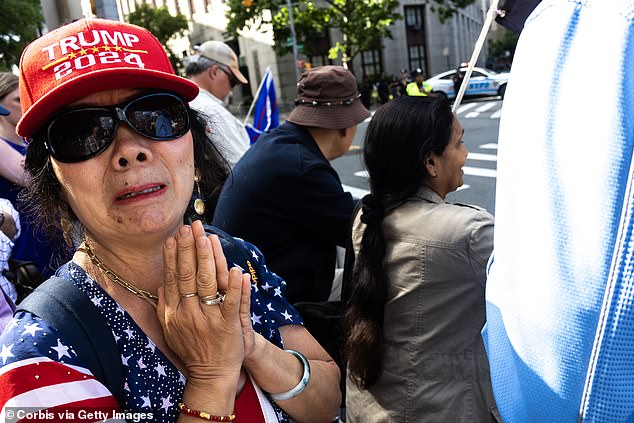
<point x="371" y="63"/>
<point x="415" y="37"/>
<point x="317" y="50"/>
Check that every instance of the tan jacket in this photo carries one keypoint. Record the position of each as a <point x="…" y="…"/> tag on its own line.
<point x="435" y="367"/>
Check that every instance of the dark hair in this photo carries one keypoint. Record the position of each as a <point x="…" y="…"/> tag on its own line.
<point x="197" y="64"/>
<point x="8" y="82"/>
<point x="401" y="135"/>
<point x="44" y="200"/>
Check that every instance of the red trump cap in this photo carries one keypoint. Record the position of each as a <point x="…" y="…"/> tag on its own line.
<point x="88" y="56"/>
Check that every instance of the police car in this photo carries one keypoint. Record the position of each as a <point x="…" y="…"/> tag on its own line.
<point x="482" y="82"/>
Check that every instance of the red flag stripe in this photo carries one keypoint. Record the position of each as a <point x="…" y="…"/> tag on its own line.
<point x="27" y="375"/>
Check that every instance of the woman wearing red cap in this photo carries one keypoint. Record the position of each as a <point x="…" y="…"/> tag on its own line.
<point x="117" y="159"/>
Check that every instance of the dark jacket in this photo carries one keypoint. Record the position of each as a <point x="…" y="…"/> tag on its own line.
<point x="284" y="197"/>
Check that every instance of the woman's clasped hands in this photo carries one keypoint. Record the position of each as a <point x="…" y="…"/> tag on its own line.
<point x="210" y="335"/>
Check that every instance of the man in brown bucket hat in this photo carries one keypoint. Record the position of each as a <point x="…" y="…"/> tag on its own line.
<point x="285" y="197"/>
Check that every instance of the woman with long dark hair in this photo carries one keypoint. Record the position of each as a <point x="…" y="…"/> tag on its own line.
<point x="413" y="346"/>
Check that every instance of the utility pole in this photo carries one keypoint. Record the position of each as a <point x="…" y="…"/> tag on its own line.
<point x="293" y="39"/>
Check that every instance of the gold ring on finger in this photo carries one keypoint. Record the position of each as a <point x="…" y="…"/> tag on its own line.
<point x="215" y="299"/>
<point x="193" y="294"/>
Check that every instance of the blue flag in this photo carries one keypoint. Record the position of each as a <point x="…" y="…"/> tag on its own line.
<point x="265" y="115"/>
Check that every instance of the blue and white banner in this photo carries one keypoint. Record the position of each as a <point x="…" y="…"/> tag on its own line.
<point x="560" y="290"/>
<point x="265" y="115"/>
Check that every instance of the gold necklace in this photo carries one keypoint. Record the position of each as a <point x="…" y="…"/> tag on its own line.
<point x="147" y="296"/>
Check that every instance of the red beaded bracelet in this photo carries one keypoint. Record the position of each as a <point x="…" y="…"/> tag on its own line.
<point x="204" y="415"/>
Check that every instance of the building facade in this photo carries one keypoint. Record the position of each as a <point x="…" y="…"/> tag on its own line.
<point x="420" y="40"/>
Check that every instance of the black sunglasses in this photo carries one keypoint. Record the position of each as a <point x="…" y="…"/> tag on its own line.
<point x="232" y="79"/>
<point x="83" y="133"/>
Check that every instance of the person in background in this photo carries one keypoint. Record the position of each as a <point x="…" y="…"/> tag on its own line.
<point x="195" y="336"/>
<point x="33" y="244"/>
<point x="418" y="87"/>
<point x="383" y="89"/>
<point x="457" y="78"/>
<point x="215" y="70"/>
<point x="365" y="89"/>
<point x="9" y="232"/>
<point x="12" y="146"/>
<point x="284" y="195"/>
<point x="412" y="323"/>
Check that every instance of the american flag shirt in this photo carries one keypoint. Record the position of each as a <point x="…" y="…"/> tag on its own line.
<point x="39" y="369"/>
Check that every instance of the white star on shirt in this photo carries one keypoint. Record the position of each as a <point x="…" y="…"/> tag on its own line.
<point x="126" y="387"/>
<point x="130" y="333"/>
<point x="125" y="359"/>
<point x="181" y="379"/>
<point x="270" y="307"/>
<point x="31" y="329"/>
<point x="160" y="370"/>
<point x="12" y="323"/>
<point x="146" y="402"/>
<point x="62" y="350"/>
<point x="286" y="315"/>
<point x="6" y="353"/>
<point x="140" y="363"/>
<point x="278" y="291"/>
<point x="266" y="286"/>
<point x="97" y="301"/>
<point x="150" y="345"/>
<point x="255" y="256"/>
<point x="167" y="403"/>
<point x="255" y="319"/>
<point x="120" y="309"/>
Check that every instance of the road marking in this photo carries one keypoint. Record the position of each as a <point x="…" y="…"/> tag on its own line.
<point x="480" y="156"/>
<point x="477" y="171"/>
<point x="486" y="107"/>
<point x="356" y="192"/>
<point x="496" y="114"/>
<point x="490" y="146"/>
<point x="466" y="107"/>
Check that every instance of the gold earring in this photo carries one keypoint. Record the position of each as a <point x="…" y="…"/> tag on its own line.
<point x="199" y="204"/>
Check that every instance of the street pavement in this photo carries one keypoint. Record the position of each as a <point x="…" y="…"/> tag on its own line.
<point x="480" y="119"/>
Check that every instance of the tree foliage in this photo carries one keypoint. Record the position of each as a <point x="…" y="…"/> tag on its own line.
<point x="162" y="25"/>
<point x="363" y="23"/>
<point x="447" y="8"/>
<point x="20" y="23"/>
<point x="504" y="44"/>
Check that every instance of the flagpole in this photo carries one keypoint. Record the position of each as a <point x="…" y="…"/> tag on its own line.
<point x="476" y="52"/>
<point x="255" y="97"/>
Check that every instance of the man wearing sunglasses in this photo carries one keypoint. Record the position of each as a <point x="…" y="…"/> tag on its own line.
<point x="215" y="70"/>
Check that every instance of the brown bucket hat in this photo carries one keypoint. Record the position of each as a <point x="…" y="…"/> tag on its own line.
<point x="327" y="97"/>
